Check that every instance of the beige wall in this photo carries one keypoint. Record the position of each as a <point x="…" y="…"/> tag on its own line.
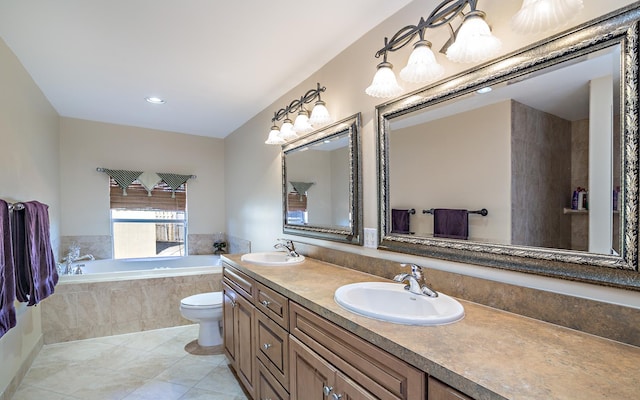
<point x="28" y="171"/>
<point x="85" y="145"/>
<point x="467" y="158"/>
<point x="252" y="182"/>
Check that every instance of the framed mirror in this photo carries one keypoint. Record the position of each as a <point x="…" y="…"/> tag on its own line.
<point x="528" y="162"/>
<point x="321" y="183"/>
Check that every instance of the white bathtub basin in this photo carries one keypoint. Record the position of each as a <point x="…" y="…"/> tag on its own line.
<point x="390" y="302"/>
<point x="271" y="259"/>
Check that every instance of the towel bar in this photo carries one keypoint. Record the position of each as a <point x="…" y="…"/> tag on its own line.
<point x="482" y="212"/>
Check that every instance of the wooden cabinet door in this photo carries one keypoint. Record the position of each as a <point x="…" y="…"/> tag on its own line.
<point x="310" y="377"/>
<point x="346" y="389"/>
<point x="228" y="321"/>
<point x="245" y="362"/>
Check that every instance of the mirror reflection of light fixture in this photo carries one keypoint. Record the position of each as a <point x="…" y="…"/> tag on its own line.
<point x="471" y="42"/>
<point x="541" y="15"/>
<point x="303" y="123"/>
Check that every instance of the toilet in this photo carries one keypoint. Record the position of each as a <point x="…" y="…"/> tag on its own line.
<point x="206" y="310"/>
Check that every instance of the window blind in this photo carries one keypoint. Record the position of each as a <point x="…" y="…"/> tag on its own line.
<point x="296" y="202"/>
<point x="137" y="197"/>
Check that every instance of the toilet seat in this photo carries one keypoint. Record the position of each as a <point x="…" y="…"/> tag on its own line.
<point x="202" y="300"/>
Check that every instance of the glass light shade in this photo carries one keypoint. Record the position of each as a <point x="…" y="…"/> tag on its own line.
<point x="384" y="82"/>
<point x="474" y="41"/>
<point x="302" y="124"/>
<point x="422" y="66"/>
<point x="274" y="136"/>
<point x="320" y="115"/>
<point x="286" y="131"/>
<point x="542" y="15"/>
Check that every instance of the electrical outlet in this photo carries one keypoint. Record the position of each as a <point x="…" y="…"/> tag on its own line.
<point x="370" y="238"/>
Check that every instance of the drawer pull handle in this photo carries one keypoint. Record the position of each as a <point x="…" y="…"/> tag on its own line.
<point x="265" y="303"/>
<point x="336" y="396"/>
<point x="327" y="390"/>
<point x="266" y="346"/>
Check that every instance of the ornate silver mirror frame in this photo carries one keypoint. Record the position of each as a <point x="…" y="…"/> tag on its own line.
<point x="353" y="232"/>
<point x="617" y="28"/>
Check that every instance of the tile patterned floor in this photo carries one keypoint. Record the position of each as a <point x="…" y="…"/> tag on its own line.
<point x="151" y="365"/>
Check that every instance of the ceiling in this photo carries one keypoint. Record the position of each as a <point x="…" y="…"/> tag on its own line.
<point x="217" y="64"/>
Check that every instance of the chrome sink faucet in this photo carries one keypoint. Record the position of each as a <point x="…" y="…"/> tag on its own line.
<point x="416" y="281"/>
<point x="286" y="246"/>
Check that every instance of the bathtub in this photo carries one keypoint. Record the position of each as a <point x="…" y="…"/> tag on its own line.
<point x="131" y="268"/>
<point x="114" y="297"/>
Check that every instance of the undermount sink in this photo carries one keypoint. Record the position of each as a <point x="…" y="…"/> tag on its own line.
<point x="271" y="258"/>
<point x="389" y="301"/>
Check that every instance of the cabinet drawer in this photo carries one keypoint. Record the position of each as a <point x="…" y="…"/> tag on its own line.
<point x="240" y="282"/>
<point x="268" y="386"/>
<point x="442" y="391"/>
<point x="272" y="348"/>
<point x="384" y="375"/>
<point x="273" y="304"/>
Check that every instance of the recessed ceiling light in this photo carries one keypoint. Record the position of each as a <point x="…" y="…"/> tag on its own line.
<point x="484" y="90"/>
<point x="155" y="100"/>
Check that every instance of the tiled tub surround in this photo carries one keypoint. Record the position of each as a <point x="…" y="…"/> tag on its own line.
<point x="608" y="320"/>
<point x="100" y="245"/>
<point x="89" y="309"/>
<point x="490" y="354"/>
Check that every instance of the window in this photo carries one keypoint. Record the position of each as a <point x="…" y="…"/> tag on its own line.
<point x="148" y="226"/>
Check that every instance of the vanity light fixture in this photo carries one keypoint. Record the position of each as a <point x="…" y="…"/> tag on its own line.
<point x="303" y="122"/>
<point x="541" y="15"/>
<point x="155" y="100"/>
<point x="471" y="42"/>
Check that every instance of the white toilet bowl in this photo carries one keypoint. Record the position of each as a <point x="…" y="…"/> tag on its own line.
<point x="206" y="310"/>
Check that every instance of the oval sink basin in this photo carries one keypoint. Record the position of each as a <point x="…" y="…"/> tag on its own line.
<point x="389" y="301"/>
<point x="272" y="258"/>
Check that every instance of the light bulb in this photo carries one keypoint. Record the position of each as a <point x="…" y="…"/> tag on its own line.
<point x="474" y="41"/>
<point x="542" y="15"/>
<point x="286" y="131"/>
<point x="302" y="124"/>
<point x="422" y="66"/>
<point x="274" y="136"/>
<point x="320" y="115"/>
<point x="384" y="82"/>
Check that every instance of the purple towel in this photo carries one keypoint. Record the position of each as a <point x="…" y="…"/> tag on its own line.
<point x="452" y="224"/>
<point x="7" y="280"/>
<point x="36" y="273"/>
<point x="399" y="221"/>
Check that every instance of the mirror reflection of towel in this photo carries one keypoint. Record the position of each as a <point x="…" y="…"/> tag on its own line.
<point x="449" y="223"/>
<point x="399" y="221"/>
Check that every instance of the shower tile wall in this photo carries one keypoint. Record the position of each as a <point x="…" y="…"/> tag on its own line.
<point x="80" y="310"/>
<point x="541" y="178"/>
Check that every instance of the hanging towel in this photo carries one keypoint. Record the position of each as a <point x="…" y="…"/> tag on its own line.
<point x="149" y="180"/>
<point x="35" y="267"/>
<point x="399" y="221"/>
<point x="452" y="224"/>
<point x="7" y="280"/>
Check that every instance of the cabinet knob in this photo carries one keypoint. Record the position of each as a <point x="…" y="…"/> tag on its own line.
<point x="327" y="390"/>
<point x="265" y="303"/>
<point x="336" y="396"/>
<point x="266" y="346"/>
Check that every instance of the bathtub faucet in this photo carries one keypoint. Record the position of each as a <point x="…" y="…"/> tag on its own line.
<point x="70" y="259"/>
<point x="286" y="246"/>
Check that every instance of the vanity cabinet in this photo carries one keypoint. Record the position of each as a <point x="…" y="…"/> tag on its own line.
<point x="280" y="350"/>
<point x="239" y="326"/>
<point x="326" y="358"/>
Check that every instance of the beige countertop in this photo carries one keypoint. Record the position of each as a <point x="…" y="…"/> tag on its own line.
<point x="490" y="354"/>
